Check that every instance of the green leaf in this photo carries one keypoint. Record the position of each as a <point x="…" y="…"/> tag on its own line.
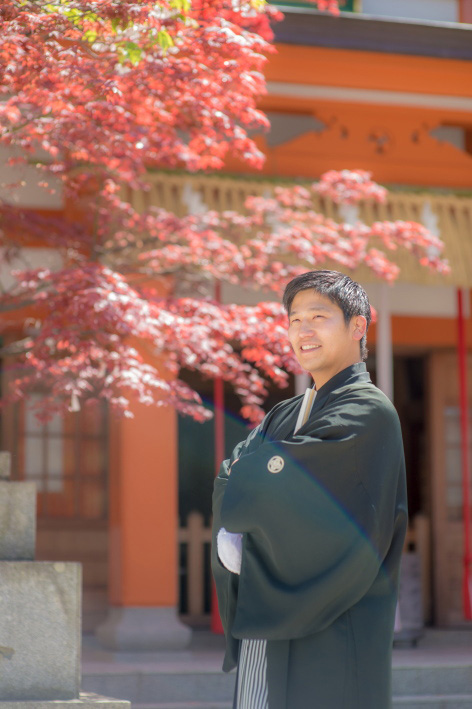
<point x="165" y="40"/>
<point x="133" y="52"/>
<point x="181" y="5"/>
<point x="73" y="13"/>
<point x="90" y="36"/>
<point x="91" y="16"/>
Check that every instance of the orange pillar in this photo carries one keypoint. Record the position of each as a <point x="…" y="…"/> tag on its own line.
<point x="143" y="561"/>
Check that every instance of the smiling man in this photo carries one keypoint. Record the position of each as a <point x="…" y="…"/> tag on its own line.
<point x="310" y="517"/>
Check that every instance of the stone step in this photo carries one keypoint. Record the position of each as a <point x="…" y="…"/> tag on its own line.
<point x="186" y="705"/>
<point x="451" y="701"/>
<point x="84" y="701"/>
<point x="412" y="702"/>
<point x="168" y="687"/>
<point x="437" y="680"/>
<point x="432" y="687"/>
<point x="435" y="675"/>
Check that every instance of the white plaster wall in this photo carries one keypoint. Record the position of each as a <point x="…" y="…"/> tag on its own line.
<point x="405" y="298"/>
<point x="437" y="10"/>
<point x="30" y="258"/>
<point x="454" y="135"/>
<point x="245" y="296"/>
<point x="416" y="300"/>
<point x="28" y="193"/>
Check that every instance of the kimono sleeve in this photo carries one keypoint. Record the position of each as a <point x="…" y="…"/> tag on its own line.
<point x="320" y="512"/>
<point x="226" y="583"/>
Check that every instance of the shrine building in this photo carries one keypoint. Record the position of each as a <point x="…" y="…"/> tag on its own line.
<point x="385" y="87"/>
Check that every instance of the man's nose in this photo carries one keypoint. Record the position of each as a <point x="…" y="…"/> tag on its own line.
<point x="306" y="328"/>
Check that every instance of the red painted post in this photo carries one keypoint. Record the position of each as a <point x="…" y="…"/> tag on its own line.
<point x="465" y="14"/>
<point x="219" y="419"/>
<point x="464" y="418"/>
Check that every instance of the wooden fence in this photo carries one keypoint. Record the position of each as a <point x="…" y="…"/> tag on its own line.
<point x="451" y="214"/>
<point x="196" y="540"/>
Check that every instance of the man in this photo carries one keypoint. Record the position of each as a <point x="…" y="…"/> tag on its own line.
<point x="317" y="502"/>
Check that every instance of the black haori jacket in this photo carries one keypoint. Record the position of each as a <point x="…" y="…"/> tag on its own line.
<point x="322" y="542"/>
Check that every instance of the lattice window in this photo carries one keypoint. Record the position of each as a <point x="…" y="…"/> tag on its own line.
<point x="67" y="458"/>
<point x="452" y="434"/>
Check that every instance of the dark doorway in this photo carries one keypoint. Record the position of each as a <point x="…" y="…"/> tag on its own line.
<point x="197" y="472"/>
<point x="409" y="398"/>
<point x="197" y="443"/>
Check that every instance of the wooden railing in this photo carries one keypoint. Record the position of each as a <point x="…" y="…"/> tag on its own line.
<point x="452" y="215"/>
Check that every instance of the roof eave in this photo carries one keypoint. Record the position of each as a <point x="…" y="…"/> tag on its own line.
<point x="307" y="27"/>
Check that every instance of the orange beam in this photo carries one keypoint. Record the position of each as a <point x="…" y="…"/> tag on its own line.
<point x="370" y="70"/>
<point x="423" y="332"/>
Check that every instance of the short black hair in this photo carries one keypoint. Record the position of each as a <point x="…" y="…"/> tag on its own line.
<point x="340" y="289"/>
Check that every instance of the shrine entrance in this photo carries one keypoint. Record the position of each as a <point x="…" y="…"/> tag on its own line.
<point x="446" y="475"/>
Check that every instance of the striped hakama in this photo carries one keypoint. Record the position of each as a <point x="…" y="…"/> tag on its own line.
<point x="251" y="685"/>
<point x="252" y="675"/>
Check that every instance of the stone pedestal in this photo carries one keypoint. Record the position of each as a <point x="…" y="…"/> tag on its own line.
<point x="40" y="620"/>
<point x="17" y="520"/>
<point x="40" y="614"/>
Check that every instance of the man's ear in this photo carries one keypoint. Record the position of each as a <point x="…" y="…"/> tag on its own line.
<point x="359" y="327"/>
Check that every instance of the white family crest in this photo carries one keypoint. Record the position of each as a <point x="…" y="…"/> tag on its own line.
<point x="275" y="464"/>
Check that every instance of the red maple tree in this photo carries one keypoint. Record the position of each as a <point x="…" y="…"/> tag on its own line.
<point x="107" y="90"/>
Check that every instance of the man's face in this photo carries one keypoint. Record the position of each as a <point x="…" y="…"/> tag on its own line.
<point x="322" y="342"/>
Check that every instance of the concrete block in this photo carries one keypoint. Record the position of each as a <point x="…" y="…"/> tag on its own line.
<point x="84" y="701"/>
<point x="17" y="520"/>
<point x="40" y="635"/>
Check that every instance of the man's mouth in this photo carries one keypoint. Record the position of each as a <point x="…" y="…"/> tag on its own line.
<point x="308" y="348"/>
